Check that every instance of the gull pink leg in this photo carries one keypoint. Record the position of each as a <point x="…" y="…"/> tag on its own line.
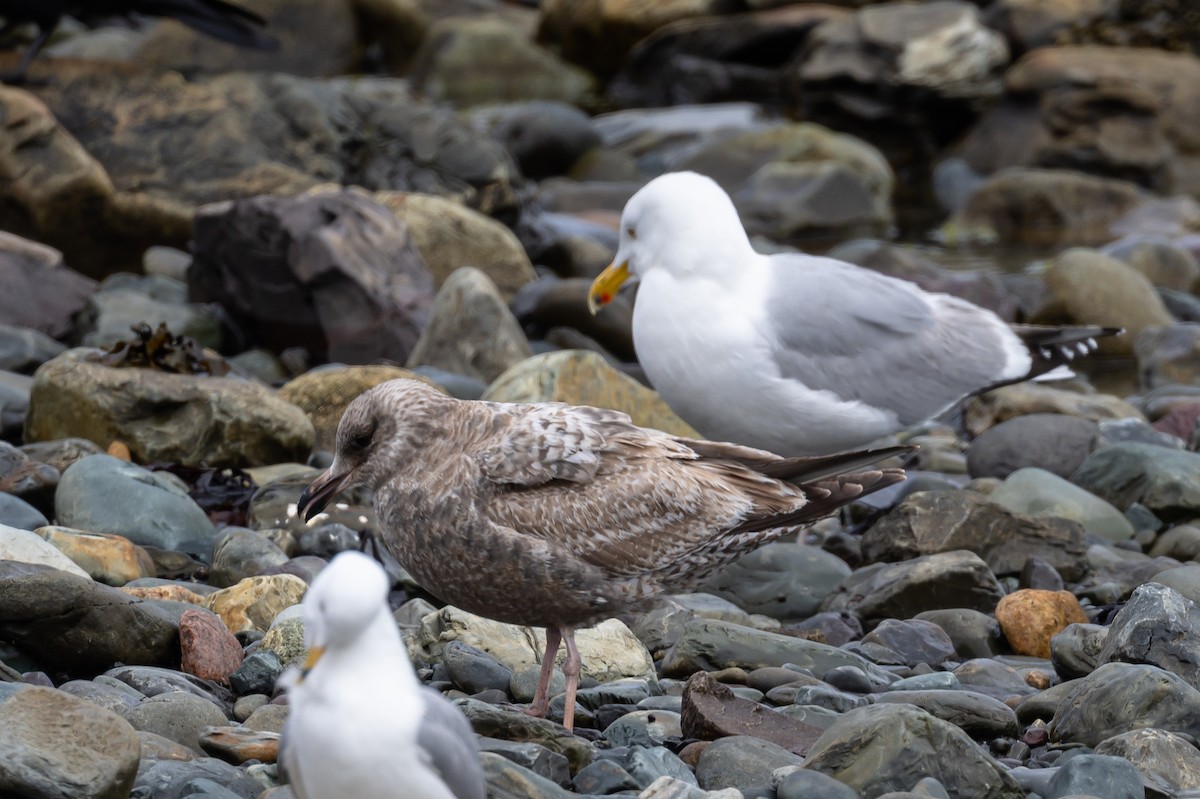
<point x="541" y="697"/>
<point x="571" y="668"/>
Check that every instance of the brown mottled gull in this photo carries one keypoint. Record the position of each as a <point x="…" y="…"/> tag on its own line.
<point x="560" y="516"/>
<point x="795" y="353"/>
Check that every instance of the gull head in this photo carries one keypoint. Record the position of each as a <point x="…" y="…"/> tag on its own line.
<point x="682" y="222"/>
<point x="345" y="599"/>
<point x="380" y="433"/>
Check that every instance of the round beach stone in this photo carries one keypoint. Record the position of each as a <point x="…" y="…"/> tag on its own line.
<point x="102" y="494"/>
<point x="1158" y="626"/>
<point x="882" y="748"/>
<point x="1051" y="441"/>
<point x="780" y="580"/>
<point x="55" y="744"/>
<point x="177" y="716"/>
<point x="1165" y="760"/>
<point x="1118" y="697"/>
<point x="27" y="547"/>
<point x="741" y="761"/>
<point x="1031" y="617"/>
<point x="110" y="559"/>
<point x="254" y="603"/>
<point x="1096" y="775"/>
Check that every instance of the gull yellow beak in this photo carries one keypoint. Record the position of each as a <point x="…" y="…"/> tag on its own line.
<point x="314" y="654"/>
<point x="604" y="288"/>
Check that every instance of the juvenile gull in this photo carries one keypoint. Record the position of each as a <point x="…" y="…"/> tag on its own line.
<point x="361" y="726"/>
<point x="799" y="354"/>
<point x="560" y="516"/>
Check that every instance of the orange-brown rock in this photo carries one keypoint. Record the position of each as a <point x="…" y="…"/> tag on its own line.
<point x="175" y="593"/>
<point x="1031" y="617"/>
<point x="238" y="744"/>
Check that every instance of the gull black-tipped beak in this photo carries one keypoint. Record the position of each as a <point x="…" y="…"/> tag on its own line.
<point x="314" y="498"/>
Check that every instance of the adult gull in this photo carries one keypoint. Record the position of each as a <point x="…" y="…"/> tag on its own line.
<point x="560" y="516"/>
<point x="360" y="723"/>
<point x="799" y="354"/>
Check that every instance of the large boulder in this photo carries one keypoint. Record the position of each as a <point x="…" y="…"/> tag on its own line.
<point x="344" y="279"/>
<point x="150" y="148"/>
<point x="163" y="416"/>
<point x="1122" y="112"/>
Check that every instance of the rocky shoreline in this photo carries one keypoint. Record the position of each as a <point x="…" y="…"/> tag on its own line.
<point x="1018" y="619"/>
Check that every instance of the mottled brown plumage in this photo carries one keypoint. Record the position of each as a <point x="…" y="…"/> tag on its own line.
<point x="560" y="516"/>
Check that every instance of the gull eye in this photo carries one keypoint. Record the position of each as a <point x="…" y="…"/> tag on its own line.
<point x="360" y="439"/>
<point x="631" y="232"/>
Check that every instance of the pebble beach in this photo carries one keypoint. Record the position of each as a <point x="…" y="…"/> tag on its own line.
<point x="207" y="253"/>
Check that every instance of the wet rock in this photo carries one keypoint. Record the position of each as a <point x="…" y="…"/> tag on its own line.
<point x="741" y="762"/>
<point x="207" y="648"/>
<point x="41" y="294"/>
<point x="176" y="779"/>
<point x="1031" y="617"/>
<point x="932" y="522"/>
<point x="882" y="748"/>
<point x="253" y="603"/>
<point x="546" y="138"/>
<point x="603" y="777"/>
<point x="1158" y="626"/>
<point x="1047" y="496"/>
<point x="1006" y="403"/>
<point x="177" y="716"/>
<point x="467" y="62"/>
<point x="584" y="378"/>
<point x="24" y="546"/>
<point x="154" y="680"/>
<point x="1075" y="651"/>
<point x="102" y="494"/>
<point x="336" y="250"/>
<point x="1096" y="775"/>
<point x="110" y="559"/>
<point x="708" y="645"/>
<point x="240" y="553"/>
<point x="1053" y="442"/>
<point x="1097" y="290"/>
<point x="711" y="711"/>
<point x="836" y="629"/>
<point x="780" y="580"/>
<point x="450" y="235"/>
<point x="974" y="634"/>
<point x="1104" y="110"/>
<point x="24" y="349"/>
<point x="550" y="303"/>
<point x="1164" y="480"/>
<point x="165" y="417"/>
<point x="470" y="331"/>
<point x="473" y="670"/>
<point x="257" y="674"/>
<point x="78" y="627"/>
<point x="1119" y="697"/>
<point x="915" y="641"/>
<point x="493" y="722"/>
<point x="535" y="757"/>
<point x="978" y="715"/>
<point x="643" y="728"/>
<point x="609" y="650"/>
<point x="1044" y="206"/>
<point x="1167" y="762"/>
<point x="1168" y="355"/>
<point x="323" y="394"/>
<point x="55" y="744"/>
<point x="955" y="579"/>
